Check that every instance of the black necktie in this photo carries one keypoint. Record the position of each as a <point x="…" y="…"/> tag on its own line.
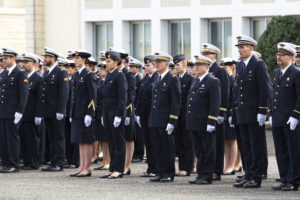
<point x="243" y="67"/>
<point x="159" y="79"/>
<point x="280" y="74"/>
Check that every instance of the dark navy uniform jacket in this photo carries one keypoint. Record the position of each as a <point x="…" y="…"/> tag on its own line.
<point x="130" y="78"/>
<point x="144" y="97"/>
<point x="221" y="73"/>
<point x="138" y="82"/>
<point x="231" y="98"/>
<point x="83" y="94"/>
<point x="71" y="84"/>
<point x="286" y="96"/>
<point x="185" y="82"/>
<point x="55" y="91"/>
<point x="165" y="101"/>
<point x="252" y="90"/>
<point x="203" y="104"/>
<point x="99" y="99"/>
<point x="33" y="107"/>
<point x="14" y="90"/>
<point x="115" y="93"/>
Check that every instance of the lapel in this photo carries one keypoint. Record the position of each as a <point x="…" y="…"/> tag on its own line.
<point x="195" y="83"/>
<point x="31" y="78"/>
<point x="287" y="73"/>
<point x="11" y="74"/>
<point x="53" y="70"/>
<point x="80" y="76"/>
<point x="157" y="82"/>
<point x="248" y="68"/>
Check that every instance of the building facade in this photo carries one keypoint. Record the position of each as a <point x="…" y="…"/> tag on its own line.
<point x="142" y="27"/>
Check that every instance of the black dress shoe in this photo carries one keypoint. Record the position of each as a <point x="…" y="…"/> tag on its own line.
<point x="203" y="182"/>
<point x="155" y="179"/>
<point x="252" y="184"/>
<point x="241" y="183"/>
<point x="115" y="177"/>
<point x="289" y="187"/>
<point x="84" y="175"/>
<point x="74" y="175"/>
<point x="127" y="173"/>
<point x="194" y="181"/>
<point x="105" y="176"/>
<point x="52" y="169"/>
<point x="216" y="177"/>
<point x="99" y="168"/>
<point x="9" y="170"/>
<point x="166" y="179"/>
<point x="238" y="170"/>
<point x="278" y="180"/>
<point x="146" y="174"/>
<point x="240" y="177"/>
<point x="278" y="187"/>
<point x="28" y="168"/>
<point x="232" y="172"/>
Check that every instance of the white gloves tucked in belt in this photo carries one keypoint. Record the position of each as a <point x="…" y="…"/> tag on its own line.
<point x="210" y="128"/>
<point x="59" y="116"/>
<point x="37" y="121"/>
<point x="87" y="120"/>
<point x="138" y="120"/>
<point x="230" y="122"/>
<point x="261" y="119"/>
<point x="127" y="121"/>
<point x="117" y="121"/>
<point x="293" y="123"/>
<point x="170" y="128"/>
<point x="220" y="120"/>
<point x="18" y="117"/>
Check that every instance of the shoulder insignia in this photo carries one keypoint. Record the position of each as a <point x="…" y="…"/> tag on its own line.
<point x="65" y="79"/>
<point x="120" y="71"/>
<point x="25" y="81"/>
<point x="174" y="76"/>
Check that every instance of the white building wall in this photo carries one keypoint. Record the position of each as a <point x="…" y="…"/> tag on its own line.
<point x="159" y="12"/>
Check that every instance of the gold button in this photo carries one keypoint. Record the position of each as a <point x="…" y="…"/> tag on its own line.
<point x="43" y="95"/>
<point x="3" y="84"/>
<point x="3" y="90"/>
<point x="190" y="105"/>
<point x="275" y="107"/>
<point x="155" y="95"/>
<point x="154" y="106"/>
<point x="193" y="92"/>
<point x="2" y="102"/>
<point x="276" y="92"/>
<point x="275" y="100"/>
<point x="44" y="89"/>
<point x="191" y="98"/>
<point x="242" y="102"/>
<point x="241" y="88"/>
<point x="277" y="85"/>
<point x="241" y="81"/>
<point x="189" y="111"/>
<point x="2" y="96"/>
<point x="155" y="90"/>
<point x="241" y="95"/>
<point x="43" y="101"/>
<point x="154" y="101"/>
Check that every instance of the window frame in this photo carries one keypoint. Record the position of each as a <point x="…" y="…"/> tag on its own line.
<point x="223" y="20"/>
<point x="252" y="19"/>
<point x="181" y="21"/>
<point x="106" y="23"/>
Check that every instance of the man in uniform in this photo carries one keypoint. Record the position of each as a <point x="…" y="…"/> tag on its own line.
<point x="165" y="109"/>
<point x="55" y="88"/>
<point x="30" y="138"/>
<point x="183" y="139"/>
<point x="210" y="51"/>
<point x="285" y="116"/>
<point x="297" y="59"/>
<point x="253" y="91"/>
<point x="143" y="108"/>
<point x="13" y="98"/>
<point x="204" y="101"/>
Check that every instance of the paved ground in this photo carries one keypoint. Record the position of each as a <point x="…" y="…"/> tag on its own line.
<point x="42" y="185"/>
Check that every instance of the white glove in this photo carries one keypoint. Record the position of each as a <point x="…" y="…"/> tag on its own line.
<point x="70" y="119"/>
<point x="293" y="123"/>
<point x="138" y="121"/>
<point x="210" y="128"/>
<point x="220" y="120"/>
<point x="87" y="120"/>
<point x="230" y="122"/>
<point x="37" y="121"/>
<point x="59" y="116"/>
<point x="261" y="119"/>
<point x="127" y="121"/>
<point x="117" y="121"/>
<point x="102" y="122"/>
<point x="270" y="120"/>
<point x="170" y="128"/>
<point x="18" y="117"/>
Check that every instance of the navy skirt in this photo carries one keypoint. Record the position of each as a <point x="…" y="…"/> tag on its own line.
<point x="80" y="133"/>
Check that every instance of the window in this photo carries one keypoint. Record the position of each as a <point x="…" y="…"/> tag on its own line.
<point x="220" y="35"/>
<point x="258" y="26"/>
<point x="104" y="37"/>
<point x="140" y="40"/>
<point x="180" y="38"/>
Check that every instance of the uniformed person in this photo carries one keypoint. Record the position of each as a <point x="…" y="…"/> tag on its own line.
<point x="172" y="68"/>
<point x="55" y="88"/>
<point x="114" y="105"/>
<point x="72" y="149"/>
<point x="297" y="59"/>
<point x="183" y="139"/>
<point x="210" y="51"/>
<point x="143" y="108"/>
<point x="139" y="144"/>
<point x="82" y="111"/>
<point x="204" y="100"/>
<point x="165" y="109"/>
<point x="285" y="116"/>
<point x="14" y="91"/>
<point x="1" y="63"/>
<point x="30" y="137"/>
<point x="129" y="119"/>
<point x="253" y="88"/>
<point x="19" y="61"/>
<point x="101" y="133"/>
<point x="191" y="68"/>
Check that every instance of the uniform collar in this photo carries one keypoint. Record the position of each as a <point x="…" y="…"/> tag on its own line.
<point x="82" y="68"/>
<point x="248" y="59"/>
<point x="285" y="69"/>
<point x="150" y="75"/>
<point x="11" y="69"/>
<point x="51" y="68"/>
<point x="30" y="74"/>
<point x="202" y="77"/>
<point x="163" y="74"/>
<point x="180" y="76"/>
<point x="113" y="70"/>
